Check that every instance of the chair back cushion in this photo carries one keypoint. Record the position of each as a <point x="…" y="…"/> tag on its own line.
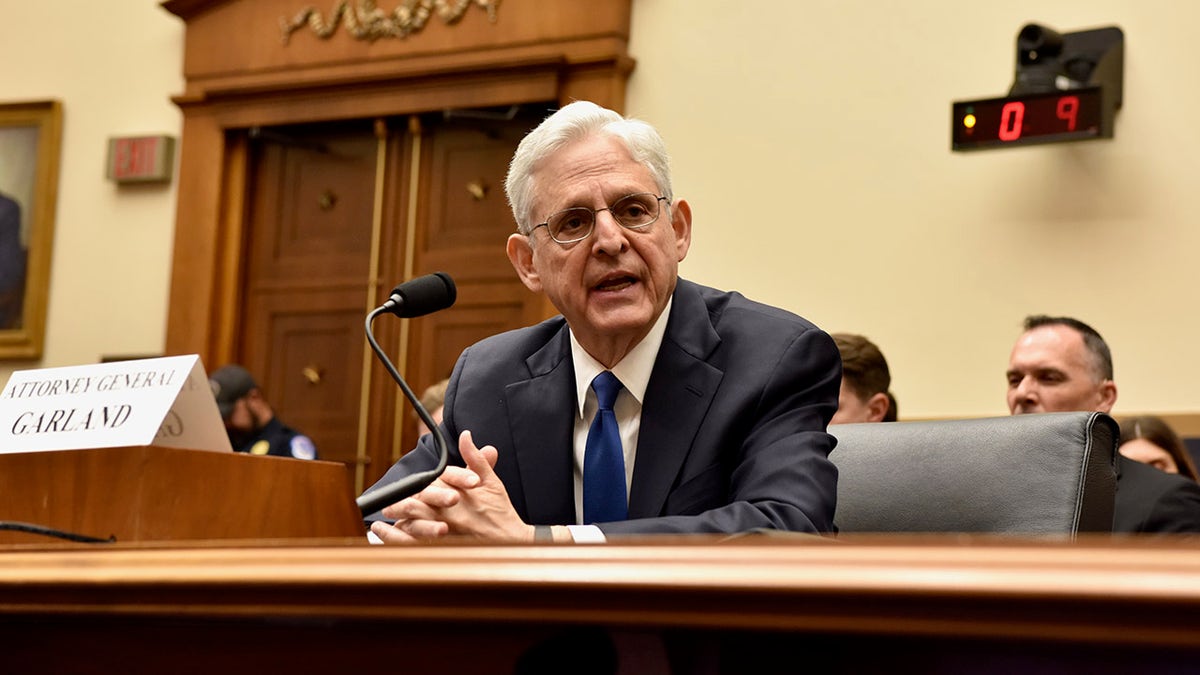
<point x="1049" y="473"/>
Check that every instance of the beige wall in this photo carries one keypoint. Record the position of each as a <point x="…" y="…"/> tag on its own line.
<point x="812" y="140"/>
<point x="114" y="66"/>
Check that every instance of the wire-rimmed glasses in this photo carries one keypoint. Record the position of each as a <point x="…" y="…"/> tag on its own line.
<point x="632" y="212"/>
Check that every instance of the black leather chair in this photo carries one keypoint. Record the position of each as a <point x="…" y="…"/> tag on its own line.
<point x="1049" y="473"/>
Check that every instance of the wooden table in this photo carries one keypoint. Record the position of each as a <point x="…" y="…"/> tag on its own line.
<point x="929" y="604"/>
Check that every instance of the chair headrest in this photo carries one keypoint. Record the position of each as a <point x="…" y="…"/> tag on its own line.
<point x="1028" y="474"/>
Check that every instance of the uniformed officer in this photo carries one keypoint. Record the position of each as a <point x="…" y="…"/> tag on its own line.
<point x="249" y="419"/>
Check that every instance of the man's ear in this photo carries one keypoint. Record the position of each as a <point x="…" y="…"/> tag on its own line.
<point x="877" y="407"/>
<point x="520" y="254"/>
<point x="681" y="223"/>
<point x="1108" y="396"/>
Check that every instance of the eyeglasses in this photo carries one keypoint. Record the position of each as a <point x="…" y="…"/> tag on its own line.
<point x="632" y="212"/>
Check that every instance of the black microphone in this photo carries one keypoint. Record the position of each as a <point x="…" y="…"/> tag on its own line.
<point x="421" y="296"/>
<point x="416" y="297"/>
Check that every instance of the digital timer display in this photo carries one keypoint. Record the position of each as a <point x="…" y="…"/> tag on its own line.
<point x="1071" y="115"/>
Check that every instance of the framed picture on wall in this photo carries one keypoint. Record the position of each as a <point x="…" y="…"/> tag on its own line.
<point x="30" y="137"/>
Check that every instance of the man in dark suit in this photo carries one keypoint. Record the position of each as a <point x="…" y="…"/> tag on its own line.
<point x="722" y="403"/>
<point x="1060" y="364"/>
<point x="12" y="264"/>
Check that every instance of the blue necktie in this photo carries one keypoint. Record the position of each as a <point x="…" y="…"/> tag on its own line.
<point x="603" y="459"/>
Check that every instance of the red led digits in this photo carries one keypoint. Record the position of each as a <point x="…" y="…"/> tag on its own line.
<point x="1012" y="117"/>
<point x="1043" y="117"/>
<point x="1068" y="108"/>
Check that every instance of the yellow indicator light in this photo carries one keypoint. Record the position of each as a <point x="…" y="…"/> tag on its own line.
<point x="969" y="121"/>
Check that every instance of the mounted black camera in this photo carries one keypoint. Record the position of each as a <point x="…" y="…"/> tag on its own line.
<point x="1049" y="61"/>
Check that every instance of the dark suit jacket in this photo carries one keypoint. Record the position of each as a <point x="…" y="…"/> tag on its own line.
<point x="1149" y="500"/>
<point x="12" y="264"/>
<point x="733" y="424"/>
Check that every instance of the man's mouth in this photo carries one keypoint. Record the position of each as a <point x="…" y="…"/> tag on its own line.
<point x="615" y="284"/>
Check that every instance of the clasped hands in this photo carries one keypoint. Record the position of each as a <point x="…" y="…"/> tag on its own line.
<point x="469" y="501"/>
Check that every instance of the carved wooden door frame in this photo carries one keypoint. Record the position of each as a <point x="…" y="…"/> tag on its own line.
<point x="240" y="72"/>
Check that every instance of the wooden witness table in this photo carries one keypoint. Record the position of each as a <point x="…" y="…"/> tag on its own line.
<point x="749" y="604"/>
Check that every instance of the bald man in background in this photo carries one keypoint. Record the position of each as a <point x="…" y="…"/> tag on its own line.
<point x="1060" y="364"/>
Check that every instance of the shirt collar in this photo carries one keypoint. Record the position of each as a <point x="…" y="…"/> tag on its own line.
<point x="633" y="371"/>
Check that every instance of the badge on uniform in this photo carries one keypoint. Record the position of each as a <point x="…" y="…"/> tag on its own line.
<point x="303" y="448"/>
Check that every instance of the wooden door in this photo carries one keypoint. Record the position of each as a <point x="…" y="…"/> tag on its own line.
<point x="317" y="204"/>
<point x="306" y="271"/>
<point x="463" y="223"/>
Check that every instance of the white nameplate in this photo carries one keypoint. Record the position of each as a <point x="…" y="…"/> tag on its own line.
<point x="164" y="401"/>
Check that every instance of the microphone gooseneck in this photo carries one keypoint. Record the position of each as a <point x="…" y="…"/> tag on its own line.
<point x="417" y="297"/>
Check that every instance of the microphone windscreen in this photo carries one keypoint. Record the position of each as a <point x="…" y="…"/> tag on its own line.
<point x="423" y="295"/>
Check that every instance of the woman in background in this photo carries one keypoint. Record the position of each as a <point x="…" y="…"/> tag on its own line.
<point x="1150" y="440"/>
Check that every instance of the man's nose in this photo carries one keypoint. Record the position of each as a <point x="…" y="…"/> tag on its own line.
<point x="608" y="235"/>
<point x="1025" y="387"/>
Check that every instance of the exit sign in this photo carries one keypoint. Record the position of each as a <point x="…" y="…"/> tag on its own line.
<point x="141" y="159"/>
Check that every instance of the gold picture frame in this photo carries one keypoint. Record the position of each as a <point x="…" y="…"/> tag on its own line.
<point x="30" y="142"/>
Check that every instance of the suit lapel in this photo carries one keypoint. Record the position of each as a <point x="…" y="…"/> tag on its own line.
<point x="678" y="395"/>
<point x="542" y="422"/>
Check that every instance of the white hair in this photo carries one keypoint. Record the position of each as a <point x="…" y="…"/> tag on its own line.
<point x="573" y="122"/>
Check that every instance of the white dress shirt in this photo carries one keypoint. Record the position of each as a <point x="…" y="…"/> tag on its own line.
<point x="634" y="373"/>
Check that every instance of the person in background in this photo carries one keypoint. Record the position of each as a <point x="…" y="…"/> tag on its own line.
<point x="1061" y="364"/>
<point x="1150" y="440"/>
<point x="249" y="420"/>
<point x="864" y="396"/>
<point x="720" y="403"/>
<point x="432" y="399"/>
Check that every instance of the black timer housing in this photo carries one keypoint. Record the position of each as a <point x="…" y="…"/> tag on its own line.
<point x="1067" y="87"/>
